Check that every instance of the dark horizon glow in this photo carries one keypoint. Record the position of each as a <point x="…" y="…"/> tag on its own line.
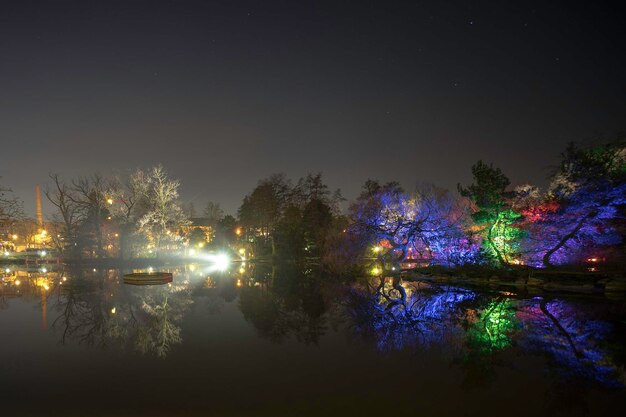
<point x="225" y="94"/>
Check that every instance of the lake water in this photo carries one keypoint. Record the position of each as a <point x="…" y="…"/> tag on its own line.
<point x="285" y="342"/>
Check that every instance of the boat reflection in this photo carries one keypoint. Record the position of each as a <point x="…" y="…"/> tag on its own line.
<point x="579" y="339"/>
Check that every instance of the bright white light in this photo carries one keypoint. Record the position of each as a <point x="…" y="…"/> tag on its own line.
<point x="220" y="261"/>
<point x="44" y="270"/>
<point x="43" y="253"/>
<point x="6" y="253"/>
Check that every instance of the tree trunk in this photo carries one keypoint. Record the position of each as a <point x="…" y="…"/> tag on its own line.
<point x="564" y="239"/>
<point x="494" y="247"/>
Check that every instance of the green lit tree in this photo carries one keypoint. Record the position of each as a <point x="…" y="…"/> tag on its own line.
<point x="494" y="217"/>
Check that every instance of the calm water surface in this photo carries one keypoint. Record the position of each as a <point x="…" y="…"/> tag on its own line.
<point x="285" y="342"/>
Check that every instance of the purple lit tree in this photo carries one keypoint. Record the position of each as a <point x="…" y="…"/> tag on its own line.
<point x="585" y="200"/>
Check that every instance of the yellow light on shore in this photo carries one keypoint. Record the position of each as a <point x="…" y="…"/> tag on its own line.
<point x="375" y="271"/>
<point x="14" y="237"/>
<point x="113" y="310"/>
<point x="242" y="251"/>
<point x="110" y="201"/>
<point x="377" y="249"/>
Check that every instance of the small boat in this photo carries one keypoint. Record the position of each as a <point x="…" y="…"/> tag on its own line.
<point x="148" y="278"/>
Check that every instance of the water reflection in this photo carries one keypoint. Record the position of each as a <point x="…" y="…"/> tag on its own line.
<point x="98" y="310"/>
<point x="285" y="301"/>
<point x="579" y="338"/>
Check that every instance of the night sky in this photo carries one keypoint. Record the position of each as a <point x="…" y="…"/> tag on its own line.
<point x="225" y="93"/>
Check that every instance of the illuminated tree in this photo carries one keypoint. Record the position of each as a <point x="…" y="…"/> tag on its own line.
<point x="161" y="210"/>
<point x="426" y="225"/>
<point x="590" y="190"/>
<point x="495" y="219"/>
<point x="580" y="212"/>
<point x="444" y="238"/>
<point x="124" y="197"/>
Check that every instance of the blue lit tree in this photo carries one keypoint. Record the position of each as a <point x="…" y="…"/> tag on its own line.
<point x="590" y="190"/>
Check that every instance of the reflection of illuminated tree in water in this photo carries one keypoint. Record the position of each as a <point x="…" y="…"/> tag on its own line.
<point x="161" y="331"/>
<point x="490" y="328"/>
<point x="145" y="318"/>
<point x="568" y="334"/>
<point x="414" y="317"/>
<point x="574" y="339"/>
